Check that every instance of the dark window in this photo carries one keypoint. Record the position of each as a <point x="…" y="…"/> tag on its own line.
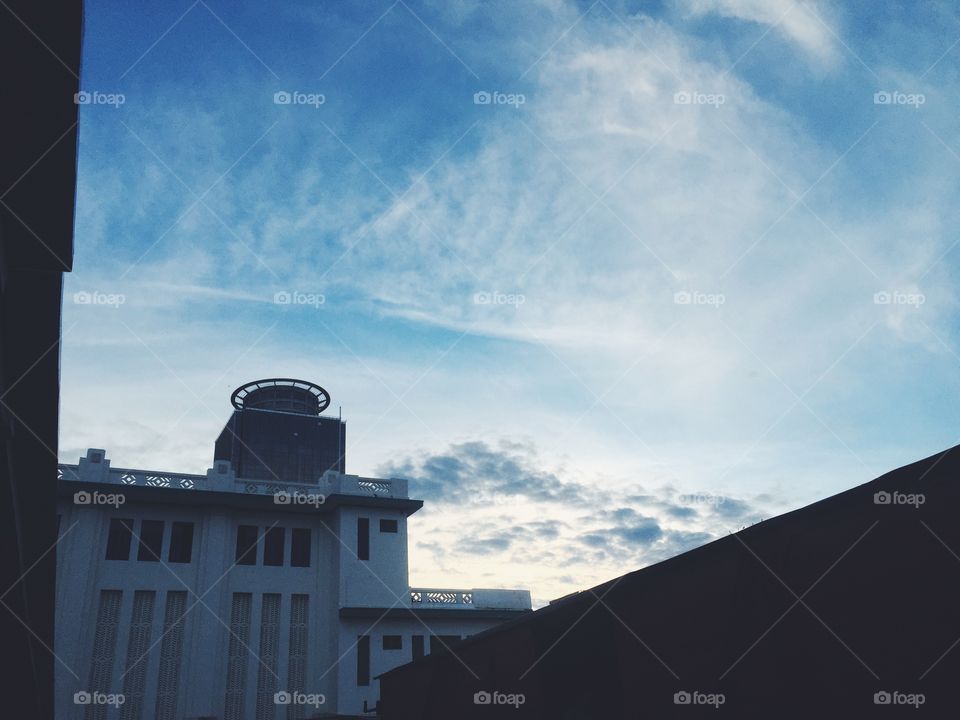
<point x="181" y="542"/>
<point x="247" y="545"/>
<point x="388" y="526"/>
<point x="393" y="642"/>
<point x="417" y="646"/>
<point x="300" y="547"/>
<point x="363" y="661"/>
<point x="151" y="540"/>
<point x="273" y="546"/>
<point x="363" y="538"/>
<point x="118" y="539"/>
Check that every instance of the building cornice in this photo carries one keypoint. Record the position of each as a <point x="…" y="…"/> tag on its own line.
<point x="404" y="613"/>
<point x="235" y="500"/>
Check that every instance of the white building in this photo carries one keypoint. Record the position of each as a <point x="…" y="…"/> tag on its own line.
<point x="276" y="589"/>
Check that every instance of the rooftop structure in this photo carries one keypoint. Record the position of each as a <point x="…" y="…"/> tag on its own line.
<point x="261" y="589"/>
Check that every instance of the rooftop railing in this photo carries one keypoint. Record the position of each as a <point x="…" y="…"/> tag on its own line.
<point x="470" y="599"/>
<point x="95" y="467"/>
<point x="424" y="596"/>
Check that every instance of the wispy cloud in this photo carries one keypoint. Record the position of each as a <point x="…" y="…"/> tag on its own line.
<point x="661" y="269"/>
<point x="805" y="22"/>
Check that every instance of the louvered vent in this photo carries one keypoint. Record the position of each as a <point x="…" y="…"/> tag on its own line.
<point x="171" y="650"/>
<point x="104" y="644"/>
<point x="237" y="656"/>
<point x="297" y="663"/>
<point x="138" y="647"/>
<point x="267" y="679"/>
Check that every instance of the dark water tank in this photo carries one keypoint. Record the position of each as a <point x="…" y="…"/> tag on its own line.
<point x="276" y="432"/>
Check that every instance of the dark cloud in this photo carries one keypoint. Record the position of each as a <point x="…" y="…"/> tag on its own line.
<point x="476" y="473"/>
<point x="489" y="537"/>
<point x="733" y="509"/>
<point x="628" y="530"/>
<point x="485" y="545"/>
<point x="644" y="532"/>
<point x="595" y="540"/>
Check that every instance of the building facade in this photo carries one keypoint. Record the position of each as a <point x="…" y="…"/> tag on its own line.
<point x="279" y="592"/>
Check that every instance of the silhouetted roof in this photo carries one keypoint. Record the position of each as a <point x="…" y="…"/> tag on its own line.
<point x="813" y="611"/>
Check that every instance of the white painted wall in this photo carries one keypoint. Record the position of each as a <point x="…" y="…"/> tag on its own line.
<point x="335" y="579"/>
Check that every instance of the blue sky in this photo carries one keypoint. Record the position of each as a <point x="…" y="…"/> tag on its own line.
<point x="694" y="265"/>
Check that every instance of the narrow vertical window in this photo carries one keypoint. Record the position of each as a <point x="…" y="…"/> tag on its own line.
<point x="246" y="545"/>
<point x="171" y="651"/>
<point x="151" y="540"/>
<point x="104" y="647"/>
<point x="300" y="547"/>
<point x="363" y="538"/>
<point x="238" y="653"/>
<point x="297" y="658"/>
<point x="181" y="542"/>
<point x="118" y="538"/>
<point x="363" y="661"/>
<point x="138" y="645"/>
<point x="417" y="646"/>
<point x="267" y="678"/>
<point x="273" y="543"/>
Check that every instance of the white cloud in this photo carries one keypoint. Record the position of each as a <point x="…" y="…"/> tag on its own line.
<point x="695" y="197"/>
<point x="808" y="23"/>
